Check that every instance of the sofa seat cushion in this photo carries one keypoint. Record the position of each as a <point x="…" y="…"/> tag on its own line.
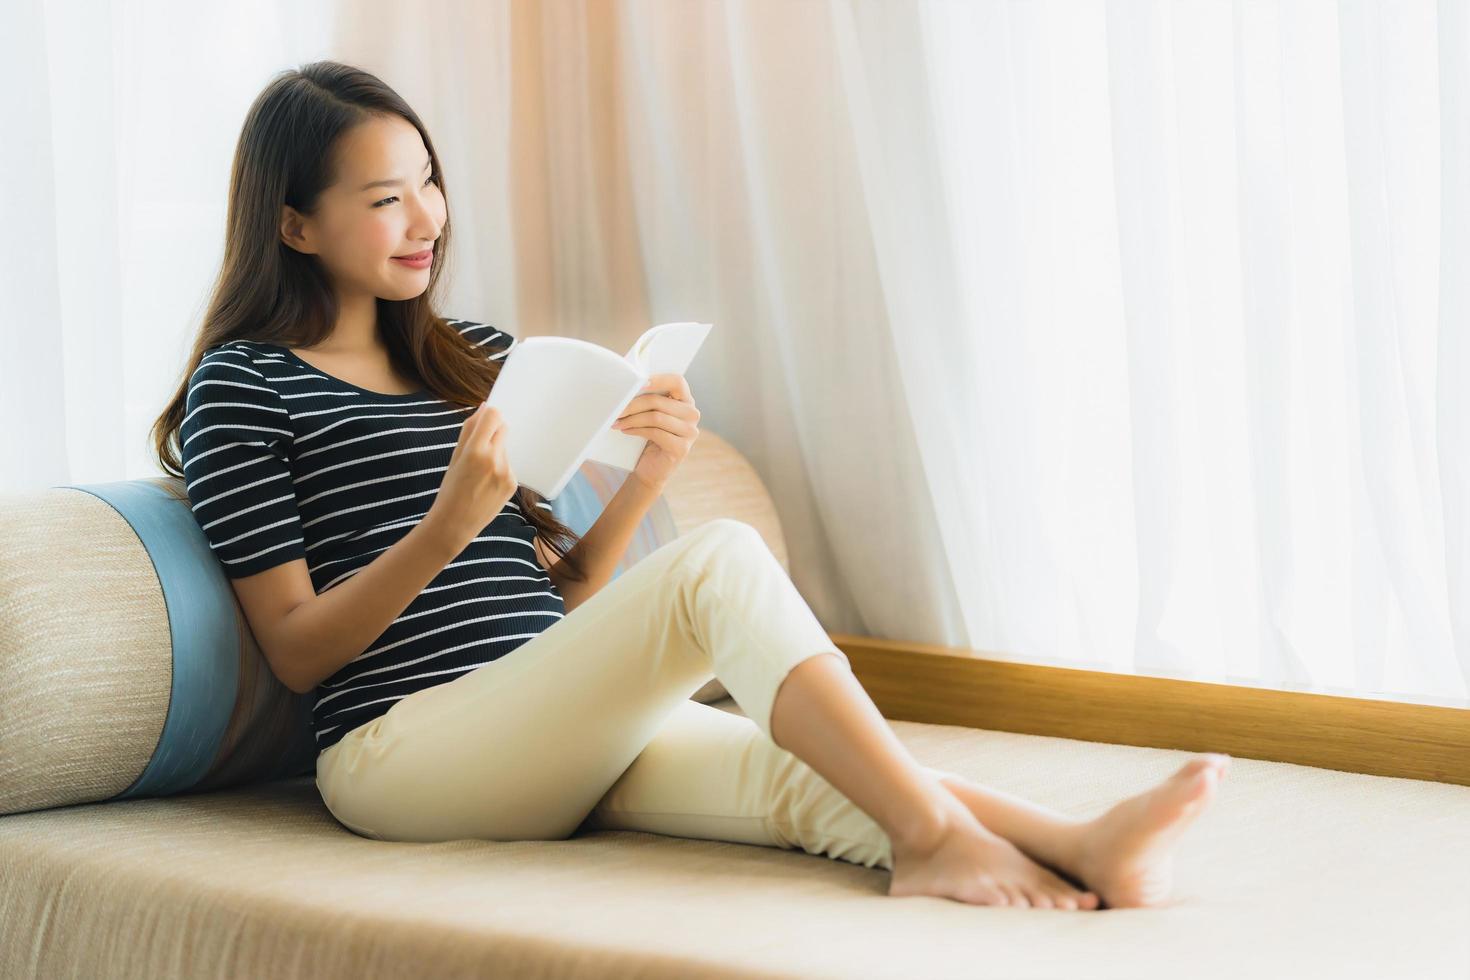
<point x="1294" y="871"/>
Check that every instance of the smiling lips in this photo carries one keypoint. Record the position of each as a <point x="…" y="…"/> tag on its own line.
<point x="418" y="261"/>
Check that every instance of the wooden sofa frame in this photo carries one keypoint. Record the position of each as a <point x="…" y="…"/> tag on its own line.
<point x="956" y="686"/>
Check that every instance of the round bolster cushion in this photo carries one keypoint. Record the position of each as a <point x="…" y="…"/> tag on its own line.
<point x="129" y="668"/>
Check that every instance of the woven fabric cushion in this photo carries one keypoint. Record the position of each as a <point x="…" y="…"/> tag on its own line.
<point x="130" y="669"/>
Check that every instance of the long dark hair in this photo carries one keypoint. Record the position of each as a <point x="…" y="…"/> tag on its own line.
<point x="269" y="292"/>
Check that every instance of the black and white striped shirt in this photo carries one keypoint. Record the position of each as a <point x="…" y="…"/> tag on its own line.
<point x="283" y="461"/>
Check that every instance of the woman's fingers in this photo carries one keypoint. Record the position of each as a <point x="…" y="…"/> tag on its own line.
<point x="662" y="438"/>
<point x="655" y="419"/>
<point x="653" y="402"/>
<point x="466" y="430"/>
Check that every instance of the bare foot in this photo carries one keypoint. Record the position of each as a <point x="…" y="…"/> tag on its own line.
<point x="1125" y="854"/>
<point x="969" y="863"/>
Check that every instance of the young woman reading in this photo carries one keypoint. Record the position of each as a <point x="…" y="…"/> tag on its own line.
<point x="474" y="671"/>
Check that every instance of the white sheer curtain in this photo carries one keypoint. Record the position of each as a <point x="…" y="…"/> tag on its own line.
<point x="119" y="124"/>
<point x="1123" y="335"/>
<point x="1192" y="395"/>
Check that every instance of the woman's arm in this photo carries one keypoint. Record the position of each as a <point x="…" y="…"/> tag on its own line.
<point x="663" y="413"/>
<point x="606" y="541"/>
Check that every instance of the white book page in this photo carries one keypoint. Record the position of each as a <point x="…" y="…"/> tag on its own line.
<point x="668" y="348"/>
<point x="554" y="395"/>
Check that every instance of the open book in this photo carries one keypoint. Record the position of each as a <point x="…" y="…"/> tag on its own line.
<point x="559" y="397"/>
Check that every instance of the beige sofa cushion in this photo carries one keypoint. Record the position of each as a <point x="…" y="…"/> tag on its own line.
<point x="1294" y="872"/>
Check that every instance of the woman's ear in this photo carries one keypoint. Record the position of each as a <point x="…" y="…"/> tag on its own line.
<point x="296" y="230"/>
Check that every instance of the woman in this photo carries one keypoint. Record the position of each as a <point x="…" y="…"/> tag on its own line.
<point x="474" y="675"/>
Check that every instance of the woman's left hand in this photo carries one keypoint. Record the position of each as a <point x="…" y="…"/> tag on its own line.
<point x="668" y="421"/>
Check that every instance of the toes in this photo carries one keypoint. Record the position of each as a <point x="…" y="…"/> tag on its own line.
<point x="1064" y="895"/>
<point x="1195" y="784"/>
<point x="991" y="893"/>
<point x="1083" y="900"/>
<point x="1031" y="893"/>
<point x="1053" y="890"/>
<point x="1040" y="899"/>
<point x="1203" y="789"/>
<point x="1193" y="766"/>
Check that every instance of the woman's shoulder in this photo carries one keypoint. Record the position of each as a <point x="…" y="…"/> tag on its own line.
<point x="475" y="330"/>
<point x="483" y="334"/>
<point x="237" y="370"/>
<point x="249" y="353"/>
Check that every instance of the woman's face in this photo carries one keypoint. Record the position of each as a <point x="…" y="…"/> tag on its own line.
<point x="358" y="229"/>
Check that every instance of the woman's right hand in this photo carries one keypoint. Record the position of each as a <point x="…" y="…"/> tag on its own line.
<point x="478" y="482"/>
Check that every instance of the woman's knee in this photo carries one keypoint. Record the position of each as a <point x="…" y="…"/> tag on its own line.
<point x="719" y="539"/>
<point x="732" y="536"/>
<point x="726" y="526"/>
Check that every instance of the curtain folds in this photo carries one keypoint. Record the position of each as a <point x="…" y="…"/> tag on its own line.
<point x="1129" y="334"/>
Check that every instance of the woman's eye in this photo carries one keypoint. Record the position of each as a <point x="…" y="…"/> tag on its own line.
<point x="432" y="178"/>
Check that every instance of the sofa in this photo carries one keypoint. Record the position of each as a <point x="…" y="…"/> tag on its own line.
<point x="161" y="817"/>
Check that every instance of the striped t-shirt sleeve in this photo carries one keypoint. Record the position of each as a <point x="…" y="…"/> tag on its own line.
<point x="234" y="445"/>
<point x="494" y="341"/>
